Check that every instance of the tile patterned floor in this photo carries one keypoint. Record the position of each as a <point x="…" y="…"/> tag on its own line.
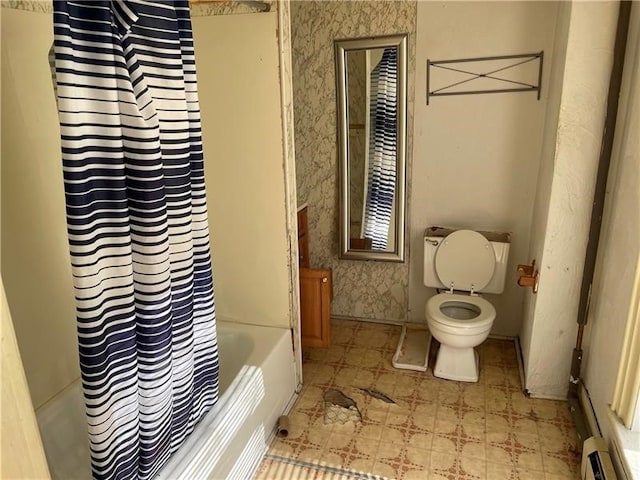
<point x="438" y="429"/>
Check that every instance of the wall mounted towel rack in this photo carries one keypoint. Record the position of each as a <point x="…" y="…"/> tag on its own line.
<point x="523" y="74"/>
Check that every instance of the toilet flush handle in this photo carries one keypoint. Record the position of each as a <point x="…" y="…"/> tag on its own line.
<point x="528" y="276"/>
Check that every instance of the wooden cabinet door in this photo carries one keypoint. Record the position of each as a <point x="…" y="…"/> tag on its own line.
<point x="315" y="307"/>
<point x="303" y="239"/>
<point x="303" y="250"/>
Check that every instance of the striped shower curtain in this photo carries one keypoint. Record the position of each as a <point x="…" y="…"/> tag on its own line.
<point x="137" y="225"/>
<point x="381" y="174"/>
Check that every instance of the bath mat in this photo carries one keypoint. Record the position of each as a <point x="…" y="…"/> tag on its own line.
<point x="413" y="348"/>
<point x="288" y="468"/>
<point x="338" y="408"/>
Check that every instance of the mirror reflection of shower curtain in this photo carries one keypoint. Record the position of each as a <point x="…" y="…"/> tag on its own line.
<point x="381" y="174"/>
<point x="138" y="230"/>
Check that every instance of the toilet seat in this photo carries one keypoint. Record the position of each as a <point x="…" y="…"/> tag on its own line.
<point x="482" y="321"/>
<point x="465" y="260"/>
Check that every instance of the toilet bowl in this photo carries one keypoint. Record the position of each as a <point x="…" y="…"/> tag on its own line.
<point x="462" y="264"/>
<point x="459" y="323"/>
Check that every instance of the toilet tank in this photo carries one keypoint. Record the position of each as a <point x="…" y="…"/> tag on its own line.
<point x="499" y="241"/>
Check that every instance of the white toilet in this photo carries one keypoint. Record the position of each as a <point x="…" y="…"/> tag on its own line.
<point x="461" y="264"/>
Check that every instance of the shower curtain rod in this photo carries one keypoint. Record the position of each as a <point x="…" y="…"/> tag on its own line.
<point x="257" y="4"/>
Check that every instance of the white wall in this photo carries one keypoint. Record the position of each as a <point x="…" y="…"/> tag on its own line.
<point x="545" y="174"/>
<point x="35" y="254"/>
<point x="475" y="157"/>
<point x="619" y="249"/>
<point x="242" y="135"/>
<point x="565" y="193"/>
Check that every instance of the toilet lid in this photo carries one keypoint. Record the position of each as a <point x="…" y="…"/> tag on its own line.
<point x="466" y="259"/>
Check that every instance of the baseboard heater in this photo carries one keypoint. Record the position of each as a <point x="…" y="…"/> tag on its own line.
<point x="596" y="461"/>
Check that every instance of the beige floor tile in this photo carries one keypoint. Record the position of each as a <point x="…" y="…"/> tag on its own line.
<point x="365" y="447"/>
<point x="497" y="400"/>
<point x="359" y="464"/>
<point x="282" y="449"/>
<point x="310" y="455"/>
<point x="447" y="413"/>
<point x="400" y="418"/>
<point x="508" y="472"/>
<point x="553" y="476"/>
<point x="529" y="461"/>
<point x="384" y="469"/>
<point x="371" y="432"/>
<point x="375" y="415"/>
<point x="501" y="471"/>
<point x="498" y="454"/>
<point x="413" y="474"/>
<point x="474" y="450"/>
<point x="525" y="425"/>
<point x="417" y="459"/>
<point x="395" y="435"/>
<point x="297" y="432"/>
<point x="474" y="398"/>
<point x="444" y="464"/>
<point x="372" y="339"/>
<point x="493" y="375"/>
<point x="346" y="429"/>
<point x="437" y="429"/>
<point x="450" y="397"/>
<point x="497" y="422"/>
<point x="445" y="426"/>
<point x="420" y="439"/>
<point x="317" y="437"/>
<point x="474" y="466"/>
<point x="335" y="354"/>
<point x="406" y="393"/>
<point x="321" y="374"/>
<point x="387" y="380"/>
<point x="338" y="442"/>
<point x="474" y="417"/>
<point x="437" y="475"/>
<point x="390" y="452"/>
<point x="333" y="459"/>
<point x="341" y="334"/>
<point x="555" y="438"/>
<point x="425" y="409"/>
<point x="443" y="443"/>
<point x="557" y="465"/>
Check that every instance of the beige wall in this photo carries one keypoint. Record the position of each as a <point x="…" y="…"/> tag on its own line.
<point x="243" y="147"/>
<point x="476" y="157"/>
<point x="566" y="192"/>
<point x="494" y="140"/>
<point x="22" y="455"/>
<point x="373" y="290"/>
<point x="35" y="255"/>
<point x="545" y="175"/>
<point x="619" y="241"/>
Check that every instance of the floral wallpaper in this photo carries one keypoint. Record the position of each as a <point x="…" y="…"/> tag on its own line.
<point x="197" y="9"/>
<point x="28" y="5"/>
<point x="362" y="289"/>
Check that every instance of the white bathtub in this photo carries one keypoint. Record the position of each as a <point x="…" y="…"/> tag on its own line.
<point x="257" y="384"/>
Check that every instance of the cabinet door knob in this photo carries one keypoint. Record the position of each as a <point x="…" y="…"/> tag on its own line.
<point x="325" y="279"/>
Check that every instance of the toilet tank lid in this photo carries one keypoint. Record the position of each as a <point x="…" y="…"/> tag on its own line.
<point x="466" y="260"/>
<point x="436" y="231"/>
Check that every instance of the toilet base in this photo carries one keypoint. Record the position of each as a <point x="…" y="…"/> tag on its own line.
<point x="460" y="364"/>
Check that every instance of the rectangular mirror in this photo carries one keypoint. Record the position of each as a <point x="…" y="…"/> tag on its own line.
<point x="371" y="75"/>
